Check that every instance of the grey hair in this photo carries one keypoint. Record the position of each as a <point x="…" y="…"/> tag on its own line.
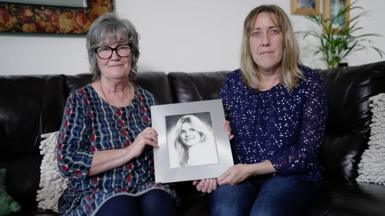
<point x="108" y="28"/>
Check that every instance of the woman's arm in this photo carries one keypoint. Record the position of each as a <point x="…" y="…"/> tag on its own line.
<point x="109" y="159"/>
<point x="240" y="172"/>
<point x="74" y="149"/>
<point x="299" y="157"/>
<point x="77" y="158"/>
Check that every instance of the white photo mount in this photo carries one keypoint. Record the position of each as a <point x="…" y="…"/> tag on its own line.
<point x="205" y="157"/>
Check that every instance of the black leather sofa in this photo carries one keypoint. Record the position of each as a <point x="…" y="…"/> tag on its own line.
<point x="33" y="104"/>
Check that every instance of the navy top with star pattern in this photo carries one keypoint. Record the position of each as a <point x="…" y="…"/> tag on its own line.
<point x="280" y="125"/>
<point x="90" y="124"/>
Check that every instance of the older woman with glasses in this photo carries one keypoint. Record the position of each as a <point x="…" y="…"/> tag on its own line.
<point x="105" y="142"/>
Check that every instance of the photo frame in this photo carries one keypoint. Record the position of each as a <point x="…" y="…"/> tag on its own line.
<point x="192" y="141"/>
<point x="331" y="9"/>
<point x="305" y="7"/>
<point x="50" y="19"/>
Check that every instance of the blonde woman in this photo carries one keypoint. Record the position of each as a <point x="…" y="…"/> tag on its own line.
<point x="277" y="113"/>
<point x="194" y="143"/>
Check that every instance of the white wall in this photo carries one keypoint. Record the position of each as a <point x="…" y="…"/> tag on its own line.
<point x="176" y="35"/>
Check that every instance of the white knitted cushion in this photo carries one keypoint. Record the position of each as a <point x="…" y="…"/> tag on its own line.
<point x="372" y="165"/>
<point x="52" y="184"/>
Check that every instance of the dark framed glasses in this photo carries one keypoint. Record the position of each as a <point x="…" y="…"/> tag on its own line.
<point x="105" y="52"/>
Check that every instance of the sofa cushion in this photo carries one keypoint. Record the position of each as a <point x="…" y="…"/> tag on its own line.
<point x="188" y="87"/>
<point x="349" y="116"/>
<point x="346" y="199"/>
<point x="20" y="115"/>
<point x="158" y="84"/>
<point x="340" y="156"/>
<point x="29" y="105"/>
<point x="52" y="184"/>
<point x="348" y="93"/>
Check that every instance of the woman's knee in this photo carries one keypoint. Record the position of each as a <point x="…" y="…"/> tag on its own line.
<point x="119" y="205"/>
<point x="232" y="200"/>
<point x="158" y="202"/>
<point x="291" y="193"/>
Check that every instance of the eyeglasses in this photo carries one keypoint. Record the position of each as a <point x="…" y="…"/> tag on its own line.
<point x="105" y="52"/>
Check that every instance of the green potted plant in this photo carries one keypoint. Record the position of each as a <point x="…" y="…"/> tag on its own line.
<point x="337" y="43"/>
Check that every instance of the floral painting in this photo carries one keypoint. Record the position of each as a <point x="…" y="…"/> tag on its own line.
<point x="28" y="18"/>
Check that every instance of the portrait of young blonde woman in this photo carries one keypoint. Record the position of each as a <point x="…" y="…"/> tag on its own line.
<point x="194" y="142"/>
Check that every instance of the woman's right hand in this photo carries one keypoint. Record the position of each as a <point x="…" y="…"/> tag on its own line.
<point x="205" y="185"/>
<point x="148" y="136"/>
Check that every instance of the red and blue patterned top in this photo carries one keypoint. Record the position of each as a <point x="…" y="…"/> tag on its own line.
<point x="280" y="125"/>
<point x="90" y="124"/>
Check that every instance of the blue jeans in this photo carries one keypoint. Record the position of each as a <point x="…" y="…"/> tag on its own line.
<point x="264" y="196"/>
<point x="152" y="203"/>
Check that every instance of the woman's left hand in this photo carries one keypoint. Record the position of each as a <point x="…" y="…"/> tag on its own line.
<point x="234" y="175"/>
<point x="205" y="185"/>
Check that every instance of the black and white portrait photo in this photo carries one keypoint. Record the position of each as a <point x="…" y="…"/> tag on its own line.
<point x="191" y="140"/>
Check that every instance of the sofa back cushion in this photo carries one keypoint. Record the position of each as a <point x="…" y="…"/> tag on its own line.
<point x="29" y="106"/>
<point x="188" y="87"/>
<point x="349" y="116"/>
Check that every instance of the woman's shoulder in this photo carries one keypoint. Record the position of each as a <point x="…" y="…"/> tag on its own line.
<point x="311" y="76"/>
<point x="81" y="92"/>
<point x="142" y="91"/>
<point x="143" y="94"/>
<point x="234" y="75"/>
<point x="233" y="78"/>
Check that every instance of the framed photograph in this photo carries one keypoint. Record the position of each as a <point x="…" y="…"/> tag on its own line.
<point x="305" y="7"/>
<point x="332" y="13"/>
<point x="66" y="17"/>
<point x="192" y="141"/>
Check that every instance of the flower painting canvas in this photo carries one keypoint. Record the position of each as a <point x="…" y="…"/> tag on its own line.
<point x="37" y="18"/>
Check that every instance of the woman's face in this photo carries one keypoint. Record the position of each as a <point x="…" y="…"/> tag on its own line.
<point x="115" y="67"/>
<point x="189" y="135"/>
<point x="266" y="42"/>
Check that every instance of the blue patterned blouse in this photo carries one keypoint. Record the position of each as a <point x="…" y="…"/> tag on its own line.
<point x="90" y="124"/>
<point x="280" y="125"/>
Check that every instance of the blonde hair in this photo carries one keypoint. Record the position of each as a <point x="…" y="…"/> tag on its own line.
<point x="180" y="146"/>
<point x="290" y="73"/>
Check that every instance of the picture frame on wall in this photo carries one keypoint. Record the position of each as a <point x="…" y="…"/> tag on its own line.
<point x="19" y="16"/>
<point x="192" y="141"/>
<point x="331" y="9"/>
<point x="305" y="7"/>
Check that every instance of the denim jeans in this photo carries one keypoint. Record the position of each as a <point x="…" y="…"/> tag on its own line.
<point x="264" y="196"/>
<point x="152" y="203"/>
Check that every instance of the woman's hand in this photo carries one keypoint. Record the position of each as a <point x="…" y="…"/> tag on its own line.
<point x="228" y="130"/>
<point x="206" y="185"/>
<point x="234" y="175"/>
<point x="147" y="137"/>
